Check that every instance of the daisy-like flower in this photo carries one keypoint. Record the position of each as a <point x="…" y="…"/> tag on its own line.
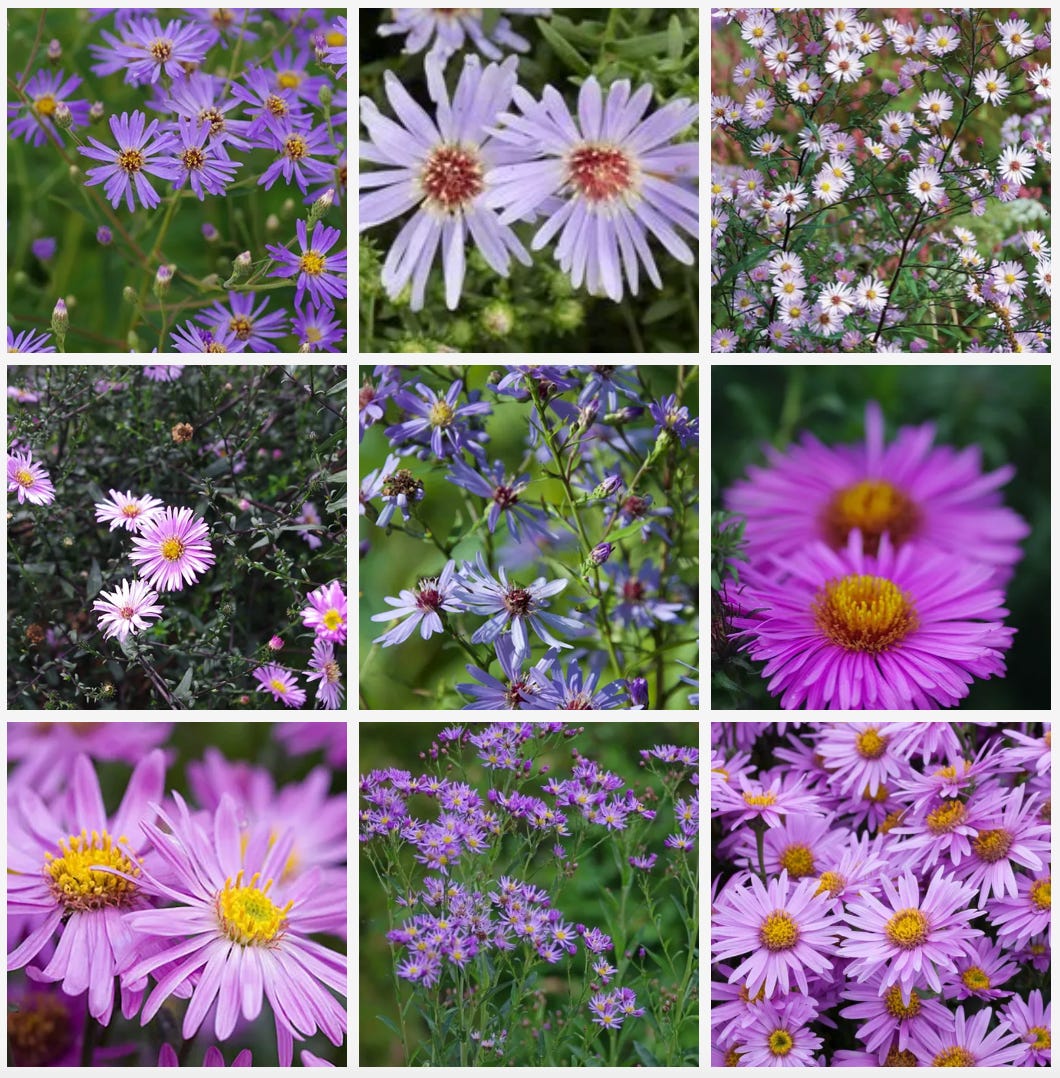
<point x="871" y="294"/>
<point x="517" y="688"/>
<point x="248" y="943"/>
<point x="278" y="680"/>
<point x="900" y="630"/>
<point x="839" y="169"/>
<point x="28" y="479"/>
<point x="880" y="1015"/>
<point x="1015" y="164"/>
<point x="828" y="189"/>
<point x="440" y="167"/>
<point x="128" y="510"/>
<point x="335" y="42"/>
<point x="326" y="613"/>
<point x="804" y="86"/>
<point x="789" y="286"/>
<point x="794" y="312"/>
<point x="324" y="667"/>
<point x="981" y="973"/>
<point x="168" y="373"/>
<point x="441" y="418"/>
<point x="604" y="179"/>
<point x="754" y="801"/>
<point x="909" y="490"/>
<point x="911" y="937"/>
<point x="1043" y="276"/>
<point x="780" y="56"/>
<point x="201" y="97"/>
<point x="758" y="29"/>
<point x="966" y="1043"/>
<point x="126" y="609"/>
<point x="303" y="154"/>
<point x="207" y="168"/>
<point x="58" y="857"/>
<point x="836" y="297"/>
<point x="172" y="549"/>
<point x="758" y="108"/>
<point x="792" y="197"/>
<point x="925" y="185"/>
<point x="942" y="40"/>
<point x="723" y="340"/>
<point x="744" y="72"/>
<point x="504" y="492"/>
<point x="1017" y="38"/>
<point x="451" y="28"/>
<point x="420" y="608"/>
<point x="1009" y="278"/>
<point x="1031" y="1021"/>
<point x="189" y="338"/>
<point x="896" y="127"/>
<point x="778" y="1034"/>
<point x="991" y="86"/>
<point x="937" y="105"/>
<point x="146" y="51"/>
<point x="839" y="25"/>
<point x="783" y="930"/>
<point x="864" y="755"/>
<point x="905" y="39"/>
<point x="1040" y="78"/>
<point x="139" y="153"/>
<point x="317" y="328"/>
<point x="865" y="38"/>
<point x="46" y="90"/>
<point x="573" y="690"/>
<point x="844" y="65"/>
<point x="320" y="274"/>
<point x="249" y="324"/>
<point x="826" y="321"/>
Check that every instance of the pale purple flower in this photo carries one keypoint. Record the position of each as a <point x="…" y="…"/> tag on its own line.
<point x="126" y="609"/>
<point x="324" y="667"/>
<point x="439" y="417"/>
<point x="421" y="607"/>
<point x="172" y="549"/>
<point x="28" y="479"/>
<point x="504" y="492"/>
<point x="278" y="680"/>
<point x="139" y="152"/>
<point x="128" y="510"/>
<point x="518" y="687"/>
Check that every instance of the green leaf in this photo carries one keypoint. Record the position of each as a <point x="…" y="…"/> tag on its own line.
<point x="662" y="309"/>
<point x="95" y="581"/>
<point x="260" y="543"/>
<point x="337" y="477"/>
<point x="675" y="38"/>
<point x="338" y="387"/>
<point x="640" y="48"/>
<point x="389" y="1023"/>
<point x="183" y="691"/>
<point x="642" y="1052"/>
<point x="563" y="48"/>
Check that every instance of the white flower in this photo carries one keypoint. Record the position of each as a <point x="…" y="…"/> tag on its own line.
<point x="780" y="56"/>
<point x="865" y="38"/>
<point x="991" y="86"/>
<point x="759" y="28"/>
<point x="826" y="321"/>
<point x="836" y="297"/>
<point x="937" y="105"/>
<point x="871" y="294"/>
<point x="839" y="25"/>
<point x="1016" y="37"/>
<point x="942" y="39"/>
<point x="844" y="66"/>
<point x="1043" y="276"/>
<point x="1040" y="79"/>
<point x="792" y="197"/>
<point x="804" y="86"/>
<point x="925" y="185"/>
<point x="1015" y="164"/>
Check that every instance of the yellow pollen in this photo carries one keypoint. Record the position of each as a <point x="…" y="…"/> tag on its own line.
<point x="798" y="860"/>
<point x="864" y="613"/>
<point x="907" y="929"/>
<point x="290" y="80"/>
<point x="892" y="999"/>
<point x="40" y="1031"/>
<point x="759" y="800"/>
<point x="870" y="744"/>
<point x="904" y="1058"/>
<point x="992" y="846"/>
<point x="278" y="685"/>
<point x="881" y="794"/>
<point x="991" y="86"/>
<point x="954" y="1057"/>
<point x="874" y="506"/>
<point x="130" y="510"/>
<point x="295" y="147"/>
<point x="732" y="1057"/>
<point x="891" y="821"/>
<point x="130" y="161"/>
<point x="247" y="915"/>
<point x="335" y="38"/>
<point x="276" y="105"/>
<point x="24" y="478"/>
<point x="441" y="414"/>
<point x="1041" y="893"/>
<point x="778" y="932"/>
<point x="975" y="979"/>
<point x="332" y="619"/>
<point x="748" y="998"/>
<point x="831" y="882"/>
<point x="780" y="1042"/>
<point x="1042" y="1038"/>
<point x="332" y="671"/>
<point x="1048" y="738"/>
<point x="79" y="886"/>
<point x="241" y="327"/>
<point x="312" y="263"/>
<point x="216" y="346"/>
<point x="172" y="549"/>
<point x="45" y="105"/>
<point x="945" y="817"/>
<point x="193" y="159"/>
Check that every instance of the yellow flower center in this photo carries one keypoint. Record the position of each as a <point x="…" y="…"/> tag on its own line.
<point x="778" y="932"/>
<point x="780" y="1042"/>
<point x="1042" y="893"/>
<point x="335" y="38"/>
<point x="247" y="915"/>
<point x="130" y="161"/>
<point x="277" y="685"/>
<point x="312" y="263"/>
<point x="290" y="80"/>
<point x="332" y="619"/>
<point x="40" y="1031"/>
<point x="991" y="87"/>
<point x="441" y="414"/>
<point x="295" y="147"/>
<point x="992" y="846"/>
<point x="1042" y="1039"/>
<point x="874" y="506"/>
<point x="864" y="613"/>
<point x="870" y="745"/>
<point x="954" y="1057"/>
<point x="907" y="929"/>
<point x="172" y="549"/>
<point x="130" y="510"/>
<point x="798" y="860"/>
<point x="759" y="800"/>
<point x="831" y="882"/>
<point x="24" y="478"/>
<point x="732" y="1057"/>
<point x="946" y="817"/>
<point x="975" y="979"/>
<point x="904" y="1058"/>
<point x="79" y="886"/>
<point x="45" y="105"/>
<point x="892" y="999"/>
<point x="126" y="612"/>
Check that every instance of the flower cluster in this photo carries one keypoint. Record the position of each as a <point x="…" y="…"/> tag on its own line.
<point x="910" y="908"/>
<point x="876" y="572"/>
<point x="899" y="153"/>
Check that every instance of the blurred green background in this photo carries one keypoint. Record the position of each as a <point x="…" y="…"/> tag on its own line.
<point x="614" y="745"/>
<point x="42" y="200"/>
<point x="1003" y="409"/>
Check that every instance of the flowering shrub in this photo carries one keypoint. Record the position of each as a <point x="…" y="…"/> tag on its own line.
<point x="882" y="894"/>
<point x="573" y="533"/>
<point x="576" y="141"/>
<point x="195" y="219"/>
<point x="481" y="898"/>
<point x="198" y="903"/>
<point x="883" y="212"/>
<point x="220" y="540"/>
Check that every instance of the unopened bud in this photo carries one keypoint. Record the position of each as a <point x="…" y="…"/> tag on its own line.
<point x="163" y="275"/>
<point x="586" y="416"/>
<point x="21" y="278"/>
<point x="210" y="233"/>
<point x="638" y="690"/>
<point x="133" y="341"/>
<point x="62" y="117"/>
<point x="320" y="207"/>
<point x="325" y="94"/>
<point x="320" y="46"/>
<point x="104" y="235"/>
<point x="498" y="318"/>
<point x="623" y="415"/>
<point x="568" y="315"/>
<point x="96" y="112"/>
<point x="272" y="223"/>
<point x="600" y="553"/>
<point x="75" y="173"/>
<point x="209" y="283"/>
<point x="128" y="293"/>
<point x="60" y="320"/>
<point x="241" y="266"/>
<point x="275" y="643"/>
<point x="304" y="348"/>
<point x="611" y="484"/>
<point x="288" y="207"/>
<point x="55" y="50"/>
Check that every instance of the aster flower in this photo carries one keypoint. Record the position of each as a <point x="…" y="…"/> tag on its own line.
<point x="335" y="40"/>
<point x="128" y="510"/>
<point x="991" y="86"/>
<point x="925" y="185"/>
<point x="603" y="180"/>
<point x="882" y="1019"/>
<point x="319" y="273"/>
<point x="966" y="1043"/>
<point x="168" y="373"/>
<point x="908" y="490"/>
<point x="326" y="612"/>
<point x="300" y="738"/>
<point x="28" y="479"/>
<point x="324" y="667"/>
<point x="641" y="596"/>
<point x="504" y="492"/>
<point x="1017" y="39"/>
<point x="942" y="40"/>
<point x="279" y="681"/>
<point x="292" y="73"/>
<point x="126" y="609"/>
<point x="754" y="801"/>
<point x="450" y="28"/>
<point x="300" y="151"/>
<point x="439" y="416"/>
<point x="937" y="105"/>
<point x="57" y="861"/>
<point x="441" y="167"/>
<point x="198" y="98"/>
<point x="249" y="324"/>
<point x="22" y="396"/>
<point x="573" y="690"/>
<point x="310" y="515"/>
<point x="864" y="755"/>
<point x="317" y="327"/>
<point x="28" y="341"/>
<point x="139" y="153"/>
<point x="844" y="65"/>
<point x="911" y="938"/>
<point x="980" y="973"/>
<point x="1015" y="164"/>
<point x="207" y="168"/>
<point x="779" y="1035"/>
<point x="46" y="90"/>
<point x="668" y="416"/>
<point x="421" y="608"/>
<point x="269" y="107"/>
<point x="516" y="690"/>
<point x="248" y="943"/>
<point x="172" y="549"/>
<point x="1031" y="1021"/>
<point x="1030" y="753"/>
<point x="146" y="51"/>
<point x="167" y="1055"/>
<point x="190" y="338"/>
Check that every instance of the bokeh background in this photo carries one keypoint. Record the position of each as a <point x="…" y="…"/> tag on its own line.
<point x="1004" y="410"/>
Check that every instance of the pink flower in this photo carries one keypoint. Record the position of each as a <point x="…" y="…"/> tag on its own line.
<point x="172" y="549"/>
<point x="325" y="667"/>
<point x="28" y="479"/>
<point x="128" y="510"/>
<point x="326" y="613"/>
<point x="126" y="609"/>
<point x="281" y="683"/>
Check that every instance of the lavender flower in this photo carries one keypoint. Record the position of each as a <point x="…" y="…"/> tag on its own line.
<point x="46" y="90"/>
<point x="372" y="483"/>
<point x="297" y="148"/>
<point x="440" y="416"/>
<point x="199" y="97"/>
<point x="421" y="607"/>
<point x="571" y="690"/>
<point x="208" y="169"/>
<point x="504" y="491"/>
<point x="134" y="157"/>
<point x="451" y="26"/>
<point x="398" y="489"/>
<point x="145" y="51"/>
<point x="246" y="322"/>
<point x="640" y="602"/>
<point x="319" y="273"/>
<point x="518" y="687"/>
<point x="373" y="398"/>
<point x="669" y="417"/>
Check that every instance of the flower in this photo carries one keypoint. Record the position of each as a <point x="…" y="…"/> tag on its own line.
<point x="864" y="755"/>
<point x="439" y="416"/>
<point x="146" y="51"/>
<point x="281" y="683"/>
<point x="335" y="38"/>
<point x="844" y="65"/>
<point x="127" y="510"/>
<point x="319" y="273"/>
<point x="966" y="1043"/>
<point x="164" y="373"/>
<point x="326" y="613"/>
<point x="248" y="943"/>
<point x="1015" y="164"/>
<point x="450" y="27"/>
<point x="246" y="322"/>
<point x="58" y="857"/>
<point x="571" y="690"/>
<point x="504" y="492"/>
<point x="47" y="90"/>
<point x="324" y="667"/>
<point x="668" y="416"/>
<point x="907" y="490"/>
<point x="167" y="1055"/>
<point x="804" y="86"/>
<point x="207" y="168"/>
<point x="937" y="105"/>
<point x="139" y="153"/>
<point x="779" y="1035"/>
<point x="421" y="608"/>
<point x="991" y="86"/>
<point x="300" y="738"/>
<point x="880" y="1015"/>
<point x="754" y="801"/>
<point x="189" y="338"/>
<point x="911" y="938"/>
<point x="1032" y="1022"/>
<point x="197" y="97"/>
<point x="925" y="185"/>
<point x="300" y="149"/>
<point x="440" y="166"/>
<point x="28" y="479"/>
<point x="28" y="341"/>
<point x="784" y="931"/>
<point x="603" y="181"/>
<point x="942" y="40"/>
<point x="517" y="690"/>
<point x="126" y="609"/>
<point x="898" y="630"/>
<point x="871" y="294"/>
<point x="172" y="549"/>
<point x="642" y="603"/>
<point x="310" y="515"/>
<point x="317" y="327"/>
<point x="1016" y="37"/>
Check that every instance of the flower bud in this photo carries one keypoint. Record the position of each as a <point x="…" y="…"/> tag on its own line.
<point x="600" y="553"/>
<point x="60" y="320"/>
<point x="275" y="643"/>
<point x="133" y="341"/>
<point x="241" y="266"/>
<point x="325" y="94"/>
<point x="128" y="293"/>
<point x="55" y="50"/>
<point x="96" y="112"/>
<point x="320" y="207"/>
<point x="163" y="275"/>
<point x="638" y="690"/>
<point x="210" y="233"/>
<point x="568" y="315"/>
<point x="498" y="318"/>
<point x="611" y="484"/>
<point x="272" y="223"/>
<point x="288" y="207"/>
<point x="62" y="117"/>
<point x="104" y="236"/>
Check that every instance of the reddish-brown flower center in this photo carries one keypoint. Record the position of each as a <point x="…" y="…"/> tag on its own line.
<point x="600" y="172"/>
<point x="452" y="177"/>
<point x="518" y="601"/>
<point x="633" y="591"/>
<point x="505" y="496"/>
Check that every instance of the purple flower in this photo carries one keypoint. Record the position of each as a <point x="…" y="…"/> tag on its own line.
<point x="668" y="416"/>
<point x="644" y="863"/>
<point x="134" y="158"/>
<point x="168" y="373"/>
<point x="322" y="274"/>
<point x="596" y="941"/>
<point x="208" y="168"/>
<point x="28" y="479"/>
<point x="146" y="51"/>
<point x="372" y="484"/>
<point x="509" y="602"/>
<point x="504" y="492"/>
<point x="297" y="149"/>
<point x="46" y="91"/>
<point x="639" y="507"/>
<point x="573" y="691"/>
<point x="335" y="39"/>
<point x="189" y="338"/>
<point x="439" y="167"/>
<point x="268" y="108"/>
<point x="639" y="594"/>
<point x="195" y="98"/>
<point x="421" y="607"/>
<point x="43" y="248"/>
<point x="515" y="692"/>
<point x="607" y="179"/>
<point x="450" y="26"/>
<point x="292" y="73"/>
<point x="324" y="667"/>
<point x="248" y="324"/>
<point x="316" y="327"/>
<point x="441" y="416"/>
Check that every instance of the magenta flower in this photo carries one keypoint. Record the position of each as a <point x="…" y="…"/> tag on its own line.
<point x="58" y="861"/>
<point x="302" y="737"/>
<point x="128" y="510"/>
<point x="172" y="550"/>
<point x="126" y="609"/>
<point x="326" y="613"/>
<point x="319" y="273"/>
<point x="279" y="681"/>
<point x="324" y="667"/>
<point x="966" y="1043"/>
<point x="167" y="1057"/>
<point x="245" y="943"/>
<point x="139" y="152"/>
<point x="1032" y="1022"/>
<point x="168" y="373"/>
<point x="28" y="479"/>
<point x="863" y="756"/>
<point x="778" y="1034"/>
